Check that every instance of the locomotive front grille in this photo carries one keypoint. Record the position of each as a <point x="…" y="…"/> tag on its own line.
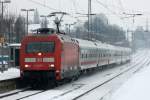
<point x="39" y="59"/>
<point x="30" y="60"/>
<point x="48" y="59"/>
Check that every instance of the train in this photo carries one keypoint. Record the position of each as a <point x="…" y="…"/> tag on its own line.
<point x="48" y="55"/>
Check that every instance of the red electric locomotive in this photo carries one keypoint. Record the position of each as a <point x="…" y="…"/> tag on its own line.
<point x="47" y="55"/>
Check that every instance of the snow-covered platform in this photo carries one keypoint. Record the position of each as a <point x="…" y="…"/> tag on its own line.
<point x="11" y="73"/>
<point x="136" y="88"/>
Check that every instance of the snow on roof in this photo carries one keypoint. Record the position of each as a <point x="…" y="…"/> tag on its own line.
<point x="99" y="44"/>
<point x="33" y="27"/>
<point x="105" y="46"/>
<point x="136" y="88"/>
<point x="86" y="43"/>
<point x="14" y="44"/>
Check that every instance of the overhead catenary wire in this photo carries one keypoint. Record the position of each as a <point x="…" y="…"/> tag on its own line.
<point x="74" y="4"/>
<point x="78" y="6"/>
<point x="119" y="15"/>
<point x="106" y="7"/>
<point x="122" y="7"/>
<point x="43" y="5"/>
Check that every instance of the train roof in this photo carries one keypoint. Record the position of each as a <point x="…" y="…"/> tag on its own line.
<point x="100" y="45"/>
<point x="81" y="42"/>
<point x="86" y="43"/>
<point x="43" y="31"/>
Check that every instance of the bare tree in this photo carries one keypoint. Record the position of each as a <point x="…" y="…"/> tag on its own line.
<point x="19" y="28"/>
<point x="101" y="30"/>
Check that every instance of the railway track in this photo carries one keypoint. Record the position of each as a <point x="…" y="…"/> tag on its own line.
<point x="16" y="95"/>
<point x="76" y="86"/>
<point x="31" y="95"/>
<point x="105" y="82"/>
<point x="145" y="62"/>
<point x="59" y="96"/>
<point x="13" y="93"/>
<point x="64" y="93"/>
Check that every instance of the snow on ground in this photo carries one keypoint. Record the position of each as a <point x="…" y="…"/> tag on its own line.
<point x="136" y="88"/>
<point x="86" y="83"/>
<point x="104" y="92"/>
<point x="9" y="74"/>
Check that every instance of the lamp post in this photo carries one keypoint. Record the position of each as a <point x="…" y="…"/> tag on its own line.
<point x="27" y="11"/>
<point x="3" y="2"/>
<point x="132" y="15"/>
<point x="2" y="38"/>
<point x="69" y="26"/>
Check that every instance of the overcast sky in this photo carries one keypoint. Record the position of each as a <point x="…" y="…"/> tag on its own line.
<point x="112" y="8"/>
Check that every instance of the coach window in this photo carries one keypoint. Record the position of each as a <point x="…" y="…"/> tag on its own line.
<point x="82" y="55"/>
<point x="62" y="38"/>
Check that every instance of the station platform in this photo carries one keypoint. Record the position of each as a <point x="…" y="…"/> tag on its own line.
<point x="11" y="73"/>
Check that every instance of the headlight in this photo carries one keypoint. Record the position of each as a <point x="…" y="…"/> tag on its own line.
<point x="26" y="66"/>
<point x="39" y="54"/>
<point x="51" y="65"/>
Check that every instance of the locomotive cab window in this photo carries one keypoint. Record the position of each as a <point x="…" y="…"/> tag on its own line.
<point x="43" y="47"/>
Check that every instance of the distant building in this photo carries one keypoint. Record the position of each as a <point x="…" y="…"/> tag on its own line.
<point x="36" y="19"/>
<point x="44" y="23"/>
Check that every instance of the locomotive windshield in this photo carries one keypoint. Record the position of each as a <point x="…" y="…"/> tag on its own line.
<point x="43" y="47"/>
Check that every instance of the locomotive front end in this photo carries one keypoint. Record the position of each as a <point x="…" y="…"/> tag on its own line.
<point x="39" y="57"/>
